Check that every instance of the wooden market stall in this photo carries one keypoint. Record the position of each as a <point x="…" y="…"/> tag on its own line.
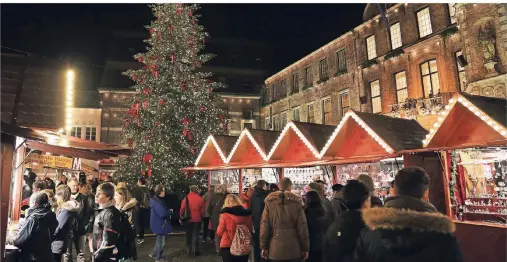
<point x="471" y="135"/>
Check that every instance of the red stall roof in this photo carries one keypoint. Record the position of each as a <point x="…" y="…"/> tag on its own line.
<point x="252" y="146"/>
<point x="470" y="121"/>
<point x="215" y="150"/>
<point x="372" y="135"/>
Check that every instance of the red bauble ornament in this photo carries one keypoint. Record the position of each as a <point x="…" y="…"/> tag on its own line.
<point x="162" y="102"/>
<point x="145" y="104"/>
<point x="152" y="30"/>
<point x="134" y="77"/>
<point x="179" y="10"/>
<point x="147" y="158"/>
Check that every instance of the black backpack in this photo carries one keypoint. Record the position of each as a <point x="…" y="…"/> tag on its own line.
<point x="126" y="244"/>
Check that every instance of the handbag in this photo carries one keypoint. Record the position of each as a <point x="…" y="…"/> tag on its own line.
<point x="186" y="213"/>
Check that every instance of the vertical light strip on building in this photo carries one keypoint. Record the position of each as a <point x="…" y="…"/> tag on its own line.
<point x="69" y="100"/>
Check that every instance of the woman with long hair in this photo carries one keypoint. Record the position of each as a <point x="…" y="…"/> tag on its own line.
<point x="66" y="214"/>
<point x="317" y="224"/>
<point x="52" y="200"/>
<point x="233" y="214"/>
<point x="128" y="206"/>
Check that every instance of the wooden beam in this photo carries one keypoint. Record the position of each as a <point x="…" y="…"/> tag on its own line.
<point x="66" y="151"/>
<point x="5" y="184"/>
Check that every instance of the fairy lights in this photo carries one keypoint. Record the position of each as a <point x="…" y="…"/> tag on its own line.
<point x="217" y="148"/>
<point x="246" y="133"/>
<point x="69" y="99"/>
<point x="292" y="126"/>
<point x="472" y="108"/>
<point x="362" y="124"/>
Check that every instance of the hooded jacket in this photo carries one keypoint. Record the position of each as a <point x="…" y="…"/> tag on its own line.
<point x="230" y="218"/>
<point x="67" y="222"/>
<point x="284" y="230"/>
<point x="407" y="229"/>
<point x="160" y="217"/>
<point x="34" y="237"/>
<point x="341" y="237"/>
<point x="105" y="232"/>
<point x="257" y="206"/>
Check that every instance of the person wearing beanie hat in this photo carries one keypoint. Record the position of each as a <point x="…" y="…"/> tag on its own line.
<point x="34" y="237"/>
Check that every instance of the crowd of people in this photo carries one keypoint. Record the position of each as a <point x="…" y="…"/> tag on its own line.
<point x="267" y="223"/>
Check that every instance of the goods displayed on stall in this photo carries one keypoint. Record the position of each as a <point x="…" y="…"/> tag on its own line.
<point x="251" y="176"/>
<point x="381" y="172"/>
<point x="303" y="176"/>
<point x="479" y="179"/>
<point x="228" y="177"/>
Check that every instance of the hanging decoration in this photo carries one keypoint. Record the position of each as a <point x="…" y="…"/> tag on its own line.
<point x="162" y="102"/>
<point x="147" y="91"/>
<point x="147" y="158"/>
<point x="453" y="184"/>
<point x="145" y="104"/>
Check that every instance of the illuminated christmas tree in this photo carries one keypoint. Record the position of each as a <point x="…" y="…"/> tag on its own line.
<point x="174" y="108"/>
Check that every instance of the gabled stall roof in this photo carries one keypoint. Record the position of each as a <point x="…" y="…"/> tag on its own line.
<point x="253" y="146"/>
<point x="300" y="142"/>
<point x="469" y="121"/>
<point x="365" y="134"/>
<point x="215" y="150"/>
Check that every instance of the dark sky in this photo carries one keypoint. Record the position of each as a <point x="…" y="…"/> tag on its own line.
<point x="290" y="30"/>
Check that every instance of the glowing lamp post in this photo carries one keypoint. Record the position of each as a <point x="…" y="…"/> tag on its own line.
<point x="69" y="99"/>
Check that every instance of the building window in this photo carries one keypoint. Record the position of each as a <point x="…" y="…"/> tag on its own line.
<point x="371" y="48"/>
<point x="267" y="124"/>
<point x="283" y="88"/>
<point x="276" y="123"/>
<point x="247" y="114"/>
<point x="308" y="76"/>
<point x="91" y="132"/>
<point x="424" y="22"/>
<point x="295" y="83"/>
<point x="248" y="125"/>
<point x="341" y="61"/>
<point x="344" y="103"/>
<point x="326" y="111"/>
<point x="401" y="87"/>
<point x="76" y="132"/>
<point x="452" y="13"/>
<point x="323" y="69"/>
<point x="395" y="36"/>
<point x="376" y="102"/>
<point x="461" y="72"/>
<point x="310" y="114"/>
<point x="284" y="119"/>
<point x="296" y="114"/>
<point x="429" y="73"/>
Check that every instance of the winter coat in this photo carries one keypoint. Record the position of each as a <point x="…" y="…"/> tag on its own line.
<point x="257" y="206"/>
<point x="375" y="201"/>
<point x="284" y="230"/>
<point x="196" y="207"/>
<point x="130" y="209"/>
<point x="230" y="218"/>
<point x="215" y="214"/>
<point x="67" y="217"/>
<point x="106" y="229"/>
<point x="85" y="214"/>
<point x="316" y="219"/>
<point x="160" y="217"/>
<point x="341" y="237"/>
<point x="338" y="206"/>
<point x="330" y="212"/>
<point x="407" y="229"/>
<point x="138" y="193"/>
<point x="34" y="237"/>
<point x="128" y="248"/>
<point x="207" y="201"/>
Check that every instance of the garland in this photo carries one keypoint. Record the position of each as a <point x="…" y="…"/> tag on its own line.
<point x="452" y="184"/>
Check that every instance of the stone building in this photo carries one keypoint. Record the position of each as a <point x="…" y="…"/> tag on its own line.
<point x="409" y="69"/>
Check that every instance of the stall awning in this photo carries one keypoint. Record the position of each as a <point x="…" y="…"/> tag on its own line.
<point x="470" y="121"/>
<point x="252" y="146"/>
<point x="215" y="151"/>
<point x="371" y="135"/>
<point x="59" y="144"/>
<point x="300" y="142"/>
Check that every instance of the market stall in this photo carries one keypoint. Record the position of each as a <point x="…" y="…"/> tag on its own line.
<point x="471" y="135"/>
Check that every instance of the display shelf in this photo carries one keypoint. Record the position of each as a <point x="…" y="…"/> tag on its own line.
<point x="493" y="198"/>
<point x="486" y="206"/>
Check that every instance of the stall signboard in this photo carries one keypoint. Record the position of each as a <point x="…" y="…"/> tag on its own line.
<point x="50" y="161"/>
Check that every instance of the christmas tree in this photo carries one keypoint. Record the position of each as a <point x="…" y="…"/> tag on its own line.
<point x="174" y="108"/>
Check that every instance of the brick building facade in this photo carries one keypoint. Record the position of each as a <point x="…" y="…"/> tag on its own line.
<point x="410" y="69"/>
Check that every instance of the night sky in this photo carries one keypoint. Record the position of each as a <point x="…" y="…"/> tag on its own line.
<point x="290" y="31"/>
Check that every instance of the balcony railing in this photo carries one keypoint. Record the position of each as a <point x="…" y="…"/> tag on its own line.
<point x="419" y="107"/>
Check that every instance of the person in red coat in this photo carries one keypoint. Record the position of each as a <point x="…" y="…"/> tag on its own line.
<point x="232" y="215"/>
<point x="193" y="224"/>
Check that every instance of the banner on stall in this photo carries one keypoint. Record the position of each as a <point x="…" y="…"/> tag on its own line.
<point x="50" y="161"/>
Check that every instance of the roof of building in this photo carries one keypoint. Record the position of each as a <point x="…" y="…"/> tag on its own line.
<point x="496" y="108"/>
<point x="316" y="134"/>
<point x="399" y="133"/>
<point x="225" y="143"/>
<point x="264" y="138"/>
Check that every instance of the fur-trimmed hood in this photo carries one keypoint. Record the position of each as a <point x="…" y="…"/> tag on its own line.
<point x="285" y="195"/>
<point x="130" y="204"/>
<point x="394" y="218"/>
<point x="71" y="206"/>
<point x="237" y="211"/>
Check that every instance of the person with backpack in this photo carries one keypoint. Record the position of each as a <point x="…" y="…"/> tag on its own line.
<point x="142" y="194"/>
<point x="160" y="222"/>
<point x="66" y="214"/>
<point x="235" y="230"/>
<point x="191" y="214"/>
<point x="127" y="206"/>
